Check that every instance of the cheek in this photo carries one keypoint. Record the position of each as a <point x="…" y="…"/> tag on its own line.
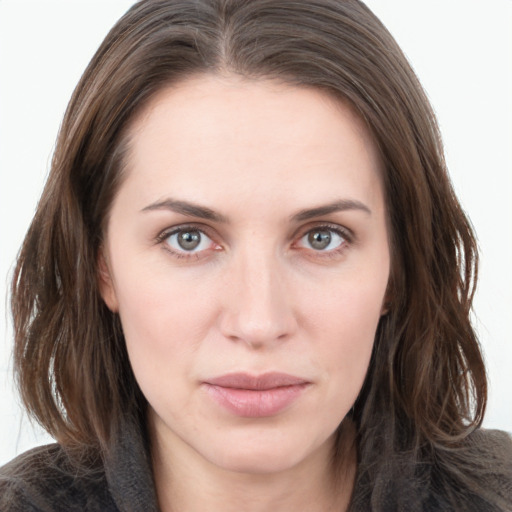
<point x="164" y="320"/>
<point x="348" y="305"/>
<point x="344" y="322"/>
<point x="160" y="340"/>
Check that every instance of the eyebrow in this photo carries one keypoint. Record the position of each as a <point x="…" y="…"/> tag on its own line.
<point x="186" y="208"/>
<point x="337" y="206"/>
<point x="203" y="212"/>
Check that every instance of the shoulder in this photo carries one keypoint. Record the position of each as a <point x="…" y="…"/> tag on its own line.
<point x="492" y="451"/>
<point x="45" y="479"/>
<point x="496" y="443"/>
<point x="479" y="474"/>
<point x="475" y="475"/>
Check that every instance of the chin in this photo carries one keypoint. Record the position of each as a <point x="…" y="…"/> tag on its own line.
<point x="271" y="452"/>
<point x="258" y="462"/>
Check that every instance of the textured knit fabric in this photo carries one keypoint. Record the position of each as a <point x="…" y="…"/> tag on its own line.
<point x="44" y="480"/>
<point x="48" y="479"/>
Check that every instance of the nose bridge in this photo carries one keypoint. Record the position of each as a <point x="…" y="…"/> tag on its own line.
<point x="258" y="310"/>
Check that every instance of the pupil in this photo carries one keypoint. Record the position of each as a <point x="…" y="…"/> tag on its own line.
<point x="189" y="240"/>
<point x="319" y="239"/>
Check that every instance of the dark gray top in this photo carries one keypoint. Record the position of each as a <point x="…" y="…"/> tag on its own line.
<point x="45" y="480"/>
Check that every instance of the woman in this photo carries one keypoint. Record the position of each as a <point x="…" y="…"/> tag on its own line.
<point x="248" y="281"/>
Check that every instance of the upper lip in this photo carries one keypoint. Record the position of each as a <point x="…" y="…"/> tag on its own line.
<point x="262" y="382"/>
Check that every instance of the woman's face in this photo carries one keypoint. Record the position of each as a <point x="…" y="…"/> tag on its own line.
<point x="247" y="255"/>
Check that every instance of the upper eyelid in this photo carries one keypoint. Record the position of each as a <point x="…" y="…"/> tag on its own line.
<point x="181" y="253"/>
<point x="347" y="233"/>
<point x="167" y="232"/>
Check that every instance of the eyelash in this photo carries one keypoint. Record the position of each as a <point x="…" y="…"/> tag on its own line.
<point x="164" y="235"/>
<point x="344" y="233"/>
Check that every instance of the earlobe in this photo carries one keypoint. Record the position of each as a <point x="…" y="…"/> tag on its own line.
<point x="385" y="309"/>
<point x="386" y="303"/>
<point x="105" y="283"/>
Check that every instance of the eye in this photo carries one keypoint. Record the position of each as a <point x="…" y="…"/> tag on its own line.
<point x="323" y="239"/>
<point x="188" y="240"/>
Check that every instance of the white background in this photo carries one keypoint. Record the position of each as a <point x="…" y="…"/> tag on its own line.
<point x="462" y="52"/>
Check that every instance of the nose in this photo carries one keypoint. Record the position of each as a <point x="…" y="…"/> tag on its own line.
<point x="257" y="303"/>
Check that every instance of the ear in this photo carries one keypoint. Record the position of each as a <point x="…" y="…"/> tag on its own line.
<point x="386" y="303"/>
<point x="105" y="282"/>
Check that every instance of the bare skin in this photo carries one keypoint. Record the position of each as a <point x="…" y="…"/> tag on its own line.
<point x="311" y="486"/>
<point x="247" y="255"/>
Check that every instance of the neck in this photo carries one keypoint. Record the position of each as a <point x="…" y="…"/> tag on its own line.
<point x="186" y="482"/>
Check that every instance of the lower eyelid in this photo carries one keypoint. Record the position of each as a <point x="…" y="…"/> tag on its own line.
<point x="165" y="234"/>
<point x="344" y="234"/>
<point x="204" y="240"/>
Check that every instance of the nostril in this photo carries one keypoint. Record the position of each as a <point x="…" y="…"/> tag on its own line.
<point x="257" y="333"/>
<point x="256" y="308"/>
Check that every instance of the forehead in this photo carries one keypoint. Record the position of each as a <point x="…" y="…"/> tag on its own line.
<point x="240" y="105"/>
<point x="211" y="136"/>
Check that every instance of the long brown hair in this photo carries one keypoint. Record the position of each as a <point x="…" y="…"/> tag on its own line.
<point x="426" y="386"/>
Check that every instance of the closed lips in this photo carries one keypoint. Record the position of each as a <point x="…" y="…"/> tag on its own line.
<point x="258" y="382"/>
<point x="252" y="396"/>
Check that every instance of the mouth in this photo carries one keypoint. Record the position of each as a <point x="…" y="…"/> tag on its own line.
<point x="256" y="396"/>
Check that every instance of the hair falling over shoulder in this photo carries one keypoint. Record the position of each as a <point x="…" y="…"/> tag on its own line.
<point x="425" y="390"/>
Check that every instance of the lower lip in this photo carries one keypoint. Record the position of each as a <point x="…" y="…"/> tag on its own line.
<point x="255" y="403"/>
